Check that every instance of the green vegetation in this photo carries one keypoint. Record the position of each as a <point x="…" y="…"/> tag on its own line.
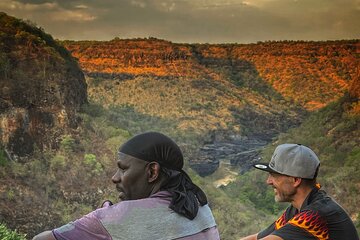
<point x="57" y="162"/>
<point x="63" y="187"/>
<point x="7" y="234"/>
<point x="235" y="218"/>
<point x="117" y="123"/>
<point x="91" y="162"/>
<point x="67" y="143"/>
<point x="252" y="190"/>
<point x="3" y="159"/>
<point x="332" y="132"/>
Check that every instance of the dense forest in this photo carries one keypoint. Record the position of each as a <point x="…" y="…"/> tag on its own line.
<point x="74" y="102"/>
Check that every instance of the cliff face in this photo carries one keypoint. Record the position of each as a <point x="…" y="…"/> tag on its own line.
<point x="41" y="88"/>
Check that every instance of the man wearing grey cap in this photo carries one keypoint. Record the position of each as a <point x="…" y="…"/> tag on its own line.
<point x="312" y="214"/>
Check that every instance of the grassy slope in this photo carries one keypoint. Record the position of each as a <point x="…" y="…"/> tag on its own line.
<point x="197" y="105"/>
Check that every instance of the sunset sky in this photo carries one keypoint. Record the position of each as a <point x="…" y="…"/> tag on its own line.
<point x="192" y="21"/>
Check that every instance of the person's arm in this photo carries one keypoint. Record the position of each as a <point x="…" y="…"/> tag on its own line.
<point x="254" y="237"/>
<point x="47" y="235"/>
<point x="87" y="227"/>
<point x="271" y="237"/>
<point x="251" y="237"/>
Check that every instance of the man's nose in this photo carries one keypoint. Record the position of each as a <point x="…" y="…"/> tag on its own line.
<point x="269" y="180"/>
<point x="116" y="177"/>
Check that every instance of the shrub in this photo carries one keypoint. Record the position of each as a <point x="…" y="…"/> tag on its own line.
<point x="90" y="161"/>
<point x="58" y="161"/>
<point x="67" y="143"/>
<point x="3" y="160"/>
<point x="7" y="234"/>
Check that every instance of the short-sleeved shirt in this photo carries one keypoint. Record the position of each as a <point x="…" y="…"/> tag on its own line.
<point x="320" y="218"/>
<point x="148" y="219"/>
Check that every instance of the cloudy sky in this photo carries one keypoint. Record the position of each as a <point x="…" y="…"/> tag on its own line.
<point x="192" y="21"/>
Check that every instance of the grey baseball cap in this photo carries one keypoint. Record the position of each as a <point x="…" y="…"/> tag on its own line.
<point x="294" y="160"/>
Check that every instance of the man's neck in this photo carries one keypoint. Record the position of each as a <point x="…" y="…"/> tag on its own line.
<point x="300" y="196"/>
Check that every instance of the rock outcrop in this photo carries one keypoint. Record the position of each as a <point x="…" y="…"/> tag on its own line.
<point x="41" y="88"/>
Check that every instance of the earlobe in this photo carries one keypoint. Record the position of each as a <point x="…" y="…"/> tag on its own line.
<point x="153" y="171"/>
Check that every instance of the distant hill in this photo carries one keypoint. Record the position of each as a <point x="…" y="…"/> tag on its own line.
<point x="311" y="74"/>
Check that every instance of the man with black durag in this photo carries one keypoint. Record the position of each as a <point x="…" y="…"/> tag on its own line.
<point x="158" y="199"/>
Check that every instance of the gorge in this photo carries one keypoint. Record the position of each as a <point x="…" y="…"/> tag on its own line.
<point x="66" y="106"/>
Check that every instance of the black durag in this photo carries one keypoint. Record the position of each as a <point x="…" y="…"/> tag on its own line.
<point x="156" y="147"/>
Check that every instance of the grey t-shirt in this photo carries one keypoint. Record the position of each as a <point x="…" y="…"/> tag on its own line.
<point x="148" y="218"/>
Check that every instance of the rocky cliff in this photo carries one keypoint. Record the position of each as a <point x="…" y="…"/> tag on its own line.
<point x="41" y="88"/>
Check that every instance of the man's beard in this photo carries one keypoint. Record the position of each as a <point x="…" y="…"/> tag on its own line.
<point x="284" y="196"/>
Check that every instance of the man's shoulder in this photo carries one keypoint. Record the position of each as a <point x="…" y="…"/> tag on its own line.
<point x="157" y="200"/>
<point x="324" y="205"/>
<point x="326" y="212"/>
<point x="151" y="218"/>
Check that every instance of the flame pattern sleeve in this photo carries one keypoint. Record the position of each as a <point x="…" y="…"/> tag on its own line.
<point x="311" y="222"/>
<point x="281" y="221"/>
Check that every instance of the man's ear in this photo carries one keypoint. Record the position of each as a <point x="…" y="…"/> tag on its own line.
<point x="153" y="171"/>
<point x="297" y="181"/>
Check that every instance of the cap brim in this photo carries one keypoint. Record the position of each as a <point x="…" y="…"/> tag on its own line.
<point x="264" y="167"/>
